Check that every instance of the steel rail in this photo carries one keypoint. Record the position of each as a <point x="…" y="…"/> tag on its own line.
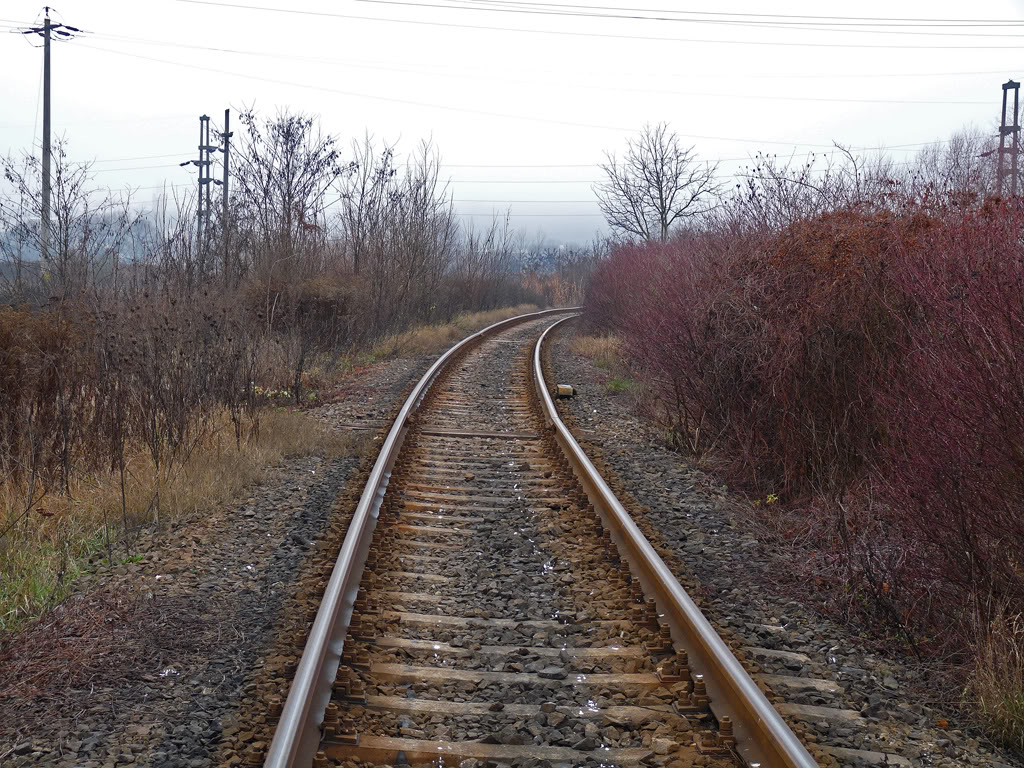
<point x="762" y="737"/>
<point x="297" y="736"/>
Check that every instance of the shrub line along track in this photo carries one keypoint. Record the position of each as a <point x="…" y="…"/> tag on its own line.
<point x="496" y="545"/>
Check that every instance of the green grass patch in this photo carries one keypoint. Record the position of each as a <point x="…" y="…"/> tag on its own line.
<point x="620" y="384"/>
<point x="36" y="578"/>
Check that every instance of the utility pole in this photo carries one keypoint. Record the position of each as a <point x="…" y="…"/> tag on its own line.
<point x="199" y="201"/>
<point x="205" y="206"/>
<point x="205" y="169"/>
<point x="63" y="31"/>
<point x="1016" y="141"/>
<point x="1004" y="131"/>
<point x="210" y="149"/>
<point x="204" y="202"/>
<point x="226" y="149"/>
<point x="44" y="222"/>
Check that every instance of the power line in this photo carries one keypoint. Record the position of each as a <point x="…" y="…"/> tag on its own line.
<point x="443" y="165"/>
<point x="92" y="120"/>
<point x="546" y="202"/>
<point x="534" y="181"/>
<point x="465" y="165"/>
<point x="532" y="215"/>
<point x="753" y="159"/>
<point x="420" y="68"/>
<point x="603" y="86"/>
<point x="526" y="181"/>
<point x="746" y="14"/>
<point x="136" y="168"/>
<point x="569" y="33"/>
<point x="162" y="186"/>
<point x="372" y="96"/>
<point x="903" y="147"/>
<point x="129" y="159"/>
<point x="446" y="107"/>
<point x="598" y="12"/>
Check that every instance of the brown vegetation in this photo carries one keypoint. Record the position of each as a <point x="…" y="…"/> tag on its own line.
<point x="605" y="351"/>
<point x="42" y="553"/>
<point x="138" y="357"/>
<point x="995" y="686"/>
<point x="433" y="339"/>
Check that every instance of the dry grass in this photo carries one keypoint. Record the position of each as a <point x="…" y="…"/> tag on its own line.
<point x="324" y="372"/>
<point x="43" y="554"/>
<point x="434" y="339"/>
<point x="995" y="691"/>
<point x="605" y="351"/>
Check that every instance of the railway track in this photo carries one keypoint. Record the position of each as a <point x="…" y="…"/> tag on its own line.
<point x="493" y="603"/>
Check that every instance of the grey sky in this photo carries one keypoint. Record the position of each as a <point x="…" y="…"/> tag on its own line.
<point x="559" y="93"/>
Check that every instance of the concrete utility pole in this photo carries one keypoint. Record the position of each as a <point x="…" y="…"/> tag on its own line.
<point x="206" y="150"/>
<point x="199" y="199"/>
<point x="46" y="32"/>
<point x="205" y="171"/>
<point x="1004" y="131"/>
<point x="226" y="149"/>
<point x="44" y="224"/>
<point x="204" y="201"/>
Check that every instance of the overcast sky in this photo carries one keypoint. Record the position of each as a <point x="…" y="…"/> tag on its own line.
<point x="494" y="86"/>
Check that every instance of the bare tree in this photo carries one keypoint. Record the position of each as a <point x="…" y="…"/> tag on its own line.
<point x="285" y="170"/>
<point x="964" y="169"/>
<point x="487" y="261"/>
<point x="657" y="184"/>
<point x="367" y="195"/>
<point x="89" y="228"/>
<point x="400" y="234"/>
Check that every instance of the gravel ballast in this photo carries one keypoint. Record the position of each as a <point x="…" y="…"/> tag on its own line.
<point x="495" y="619"/>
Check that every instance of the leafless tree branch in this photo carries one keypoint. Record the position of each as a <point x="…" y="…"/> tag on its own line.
<point x="659" y="184"/>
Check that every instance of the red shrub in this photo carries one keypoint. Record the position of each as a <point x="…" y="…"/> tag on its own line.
<point x="952" y="476"/>
<point x="657" y="297"/>
<point x="761" y="345"/>
<point x="868" y="369"/>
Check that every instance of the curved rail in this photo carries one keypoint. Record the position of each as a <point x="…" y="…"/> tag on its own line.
<point x="297" y="735"/>
<point x="762" y="737"/>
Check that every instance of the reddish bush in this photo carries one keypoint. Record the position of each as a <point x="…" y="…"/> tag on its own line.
<point x="761" y="345"/>
<point x="660" y="297"/>
<point x="952" y="475"/>
<point x="868" y="368"/>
